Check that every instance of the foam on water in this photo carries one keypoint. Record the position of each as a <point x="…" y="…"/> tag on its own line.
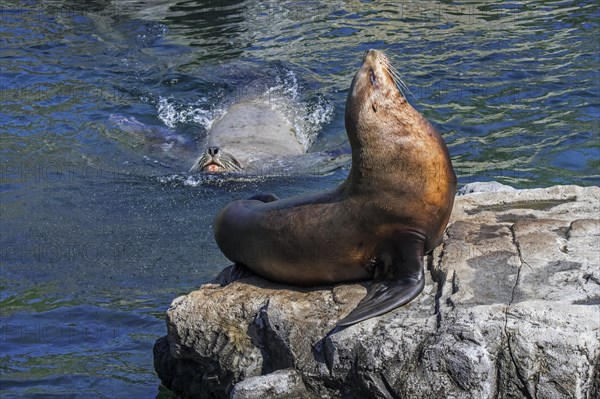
<point x="220" y="180"/>
<point x="307" y="116"/>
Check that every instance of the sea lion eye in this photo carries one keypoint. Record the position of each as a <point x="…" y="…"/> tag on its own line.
<point x="372" y="76"/>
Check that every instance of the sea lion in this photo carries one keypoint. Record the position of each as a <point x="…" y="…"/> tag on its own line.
<point x="250" y="136"/>
<point x="378" y="224"/>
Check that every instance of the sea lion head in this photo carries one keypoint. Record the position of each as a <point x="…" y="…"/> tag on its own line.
<point x="374" y="98"/>
<point x="215" y="160"/>
<point x="384" y="130"/>
<point x="374" y="95"/>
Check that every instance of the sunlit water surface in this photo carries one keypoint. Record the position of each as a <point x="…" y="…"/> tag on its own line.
<point x="101" y="228"/>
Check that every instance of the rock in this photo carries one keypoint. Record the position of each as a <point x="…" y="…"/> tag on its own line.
<point x="283" y="384"/>
<point x="483" y="187"/>
<point x="511" y="309"/>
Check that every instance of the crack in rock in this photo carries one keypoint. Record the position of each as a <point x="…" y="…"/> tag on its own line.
<point x="524" y="388"/>
<point x="439" y="278"/>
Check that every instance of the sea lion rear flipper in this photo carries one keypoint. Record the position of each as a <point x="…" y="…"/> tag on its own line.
<point x="398" y="279"/>
<point x="237" y="271"/>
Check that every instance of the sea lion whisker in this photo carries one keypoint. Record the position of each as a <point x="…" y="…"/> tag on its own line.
<point x="392" y="72"/>
<point x="395" y="75"/>
<point x="232" y="165"/>
<point x="403" y="87"/>
<point x="200" y="163"/>
<point x="398" y="80"/>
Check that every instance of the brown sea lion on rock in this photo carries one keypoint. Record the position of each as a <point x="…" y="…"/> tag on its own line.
<point x="378" y="224"/>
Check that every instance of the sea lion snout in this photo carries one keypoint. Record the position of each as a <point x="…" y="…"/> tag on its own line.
<point x="214" y="160"/>
<point x="212" y="163"/>
<point x="372" y="53"/>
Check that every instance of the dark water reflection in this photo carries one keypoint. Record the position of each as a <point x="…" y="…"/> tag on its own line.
<point x="100" y="229"/>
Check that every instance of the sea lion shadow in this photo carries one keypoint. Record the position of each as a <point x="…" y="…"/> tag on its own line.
<point x="277" y="354"/>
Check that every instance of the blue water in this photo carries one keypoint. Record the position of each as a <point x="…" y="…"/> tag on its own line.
<point x="101" y="229"/>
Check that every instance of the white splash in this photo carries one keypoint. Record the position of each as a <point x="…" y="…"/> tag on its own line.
<point x="286" y="86"/>
<point x="172" y="114"/>
<point x="307" y="117"/>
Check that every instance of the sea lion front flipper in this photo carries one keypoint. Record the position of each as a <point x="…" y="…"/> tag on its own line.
<point x="399" y="278"/>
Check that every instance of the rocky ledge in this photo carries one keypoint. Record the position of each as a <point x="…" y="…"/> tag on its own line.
<point x="511" y="309"/>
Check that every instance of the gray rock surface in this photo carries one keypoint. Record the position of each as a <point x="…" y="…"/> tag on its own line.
<point x="483" y="187"/>
<point x="511" y="309"/>
<point x="282" y="384"/>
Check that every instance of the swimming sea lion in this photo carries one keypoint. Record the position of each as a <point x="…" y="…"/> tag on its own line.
<point x="378" y="224"/>
<point x="250" y="136"/>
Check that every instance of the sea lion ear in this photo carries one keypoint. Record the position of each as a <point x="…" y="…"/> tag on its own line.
<point x="374" y="106"/>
